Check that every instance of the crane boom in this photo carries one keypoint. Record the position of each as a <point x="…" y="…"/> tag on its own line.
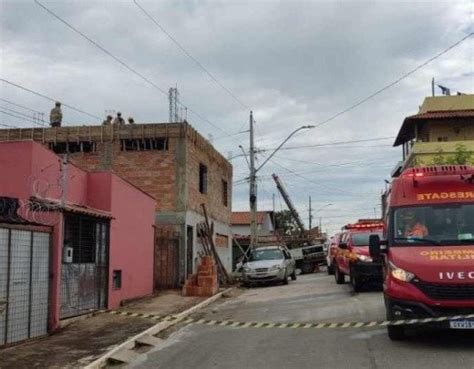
<point x="288" y="202"/>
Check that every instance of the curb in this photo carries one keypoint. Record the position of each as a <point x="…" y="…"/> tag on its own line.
<point x="157" y="328"/>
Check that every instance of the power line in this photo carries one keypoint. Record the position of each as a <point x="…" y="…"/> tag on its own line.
<point x="23" y="115"/>
<point x="313" y="182"/>
<point x="48" y="98"/>
<point x="398" y="80"/>
<point x="188" y="54"/>
<point x="16" y="116"/>
<point x="7" y="125"/>
<point x="330" y="144"/>
<point x="125" y="65"/>
<point x="21" y="106"/>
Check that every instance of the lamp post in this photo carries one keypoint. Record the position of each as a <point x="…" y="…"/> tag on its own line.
<point x="253" y="178"/>
<point x="320" y="218"/>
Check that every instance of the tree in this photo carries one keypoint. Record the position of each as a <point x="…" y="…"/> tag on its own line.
<point x="461" y="156"/>
<point x="439" y="158"/>
<point x="285" y="223"/>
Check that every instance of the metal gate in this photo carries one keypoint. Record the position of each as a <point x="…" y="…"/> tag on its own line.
<point x="24" y="283"/>
<point x="84" y="276"/>
<point x="166" y="260"/>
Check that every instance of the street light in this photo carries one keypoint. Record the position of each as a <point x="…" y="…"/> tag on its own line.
<point x="311" y="212"/>
<point x="324" y="206"/>
<point x="320" y="218"/>
<point x="253" y="178"/>
<point x="280" y="146"/>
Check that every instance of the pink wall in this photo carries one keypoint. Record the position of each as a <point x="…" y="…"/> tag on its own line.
<point x="28" y="169"/>
<point x="131" y="235"/>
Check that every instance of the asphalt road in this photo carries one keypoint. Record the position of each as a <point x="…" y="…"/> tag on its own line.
<point x="313" y="297"/>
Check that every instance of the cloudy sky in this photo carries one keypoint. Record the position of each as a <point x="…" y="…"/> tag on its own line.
<point x="291" y="62"/>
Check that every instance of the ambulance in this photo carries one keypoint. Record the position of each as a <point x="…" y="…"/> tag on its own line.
<point x="428" y="247"/>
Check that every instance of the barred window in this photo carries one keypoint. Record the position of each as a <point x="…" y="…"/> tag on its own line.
<point x="202" y="178"/>
<point x="144" y="144"/>
<point x="225" y="193"/>
<point x="72" y="147"/>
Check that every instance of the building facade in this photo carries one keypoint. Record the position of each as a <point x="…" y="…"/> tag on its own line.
<point x="441" y="133"/>
<point x="174" y="164"/>
<point x="75" y="241"/>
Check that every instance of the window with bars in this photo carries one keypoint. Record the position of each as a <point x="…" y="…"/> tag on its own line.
<point x="225" y="193"/>
<point x="86" y="236"/>
<point x="202" y="178"/>
<point x="72" y="147"/>
<point x="144" y="144"/>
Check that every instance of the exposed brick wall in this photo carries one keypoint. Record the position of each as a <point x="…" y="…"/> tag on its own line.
<point x="218" y="169"/>
<point x="152" y="171"/>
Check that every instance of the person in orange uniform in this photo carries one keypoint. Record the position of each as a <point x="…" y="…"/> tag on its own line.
<point x="413" y="227"/>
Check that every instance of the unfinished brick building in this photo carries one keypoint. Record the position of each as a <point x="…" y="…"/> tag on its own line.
<point x="170" y="161"/>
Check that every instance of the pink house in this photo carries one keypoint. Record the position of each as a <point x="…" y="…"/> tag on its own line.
<point x="100" y="232"/>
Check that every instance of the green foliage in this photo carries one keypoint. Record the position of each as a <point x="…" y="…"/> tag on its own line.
<point x="285" y="223"/>
<point x="461" y="156"/>
<point x="439" y="158"/>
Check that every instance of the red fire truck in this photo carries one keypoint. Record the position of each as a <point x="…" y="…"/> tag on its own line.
<point x="428" y="255"/>
<point x="350" y="256"/>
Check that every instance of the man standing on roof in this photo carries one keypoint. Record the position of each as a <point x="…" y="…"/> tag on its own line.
<point x="413" y="227"/>
<point x="119" y="121"/>
<point x="56" y="115"/>
<point x="107" y="121"/>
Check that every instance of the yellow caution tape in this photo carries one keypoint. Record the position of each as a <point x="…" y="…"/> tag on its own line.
<point x="304" y="325"/>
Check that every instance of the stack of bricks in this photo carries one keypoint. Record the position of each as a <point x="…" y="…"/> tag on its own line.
<point x="205" y="282"/>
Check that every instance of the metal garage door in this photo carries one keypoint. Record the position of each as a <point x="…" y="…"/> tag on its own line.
<point x="24" y="284"/>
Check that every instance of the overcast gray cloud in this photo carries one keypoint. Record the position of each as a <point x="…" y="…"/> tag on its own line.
<point x="292" y="62"/>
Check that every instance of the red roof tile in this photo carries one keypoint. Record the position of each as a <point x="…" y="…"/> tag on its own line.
<point x="243" y="217"/>
<point x="406" y="132"/>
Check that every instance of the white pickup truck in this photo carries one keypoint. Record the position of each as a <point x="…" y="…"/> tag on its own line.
<point x="308" y="257"/>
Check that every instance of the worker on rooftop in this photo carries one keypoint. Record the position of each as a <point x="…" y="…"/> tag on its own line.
<point x="107" y="121"/>
<point x="56" y="115"/>
<point x="119" y="121"/>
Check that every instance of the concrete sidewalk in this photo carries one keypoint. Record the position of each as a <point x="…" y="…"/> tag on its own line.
<point x="86" y="339"/>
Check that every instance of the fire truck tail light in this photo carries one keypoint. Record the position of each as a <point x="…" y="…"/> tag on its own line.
<point x="438" y="170"/>
<point x="364" y="226"/>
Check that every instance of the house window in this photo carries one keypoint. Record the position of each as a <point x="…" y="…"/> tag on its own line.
<point x="87" y="236"/>
<point x="222" y="240"/>
<point x="72" y="147"/>
<point x="202" y="178"/>
<point x="144" y="144"/>
<point x="117" y="279"/>
<point x="225" y="193"/>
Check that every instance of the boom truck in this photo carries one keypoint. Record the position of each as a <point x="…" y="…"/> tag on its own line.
<point x="428" y="247"/>
<point x="304" y="248"/>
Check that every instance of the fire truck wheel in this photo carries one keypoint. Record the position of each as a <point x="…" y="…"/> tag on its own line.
<point x="395" y="332"/>
<point x="355" y="282"/>
<point x="293" y="275"/>
<point x="338" y="275"/>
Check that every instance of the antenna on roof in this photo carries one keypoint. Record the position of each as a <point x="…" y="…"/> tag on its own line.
<point x="432" y="87"/>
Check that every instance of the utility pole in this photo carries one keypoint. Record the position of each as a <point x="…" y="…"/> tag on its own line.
<point x="320" y="226"/>
<point x="310" y="214"/>
<point x="253" y="188"/>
